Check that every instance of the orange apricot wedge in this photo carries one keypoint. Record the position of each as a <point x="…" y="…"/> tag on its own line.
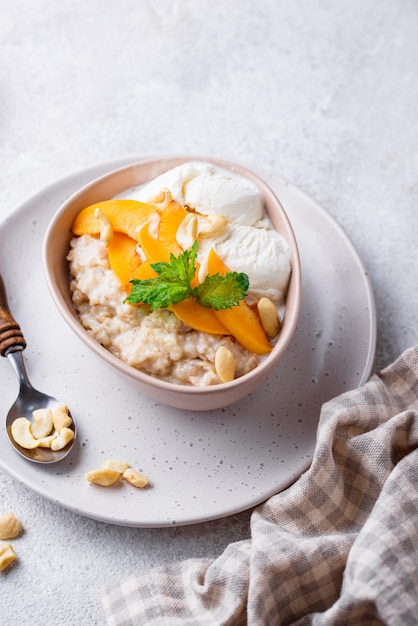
<point x="155" y="249"/>
<point x="144" y="272"/>
<point x="159" y="248"/>
<point x="198" y="317"/>
<point x="171" y="218"/>
<point x="126" y="216"/>
<point x="241" y="320"/>
<point x="123" y="256"/>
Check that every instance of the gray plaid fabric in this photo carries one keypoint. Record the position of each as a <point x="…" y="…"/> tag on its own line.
<point x="340" y="546"/>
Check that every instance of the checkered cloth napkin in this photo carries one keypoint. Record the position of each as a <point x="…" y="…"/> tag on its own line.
<point x="338" y="547"/>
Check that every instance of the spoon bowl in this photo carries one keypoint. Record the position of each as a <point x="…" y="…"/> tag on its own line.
<point x="29" y="399"/>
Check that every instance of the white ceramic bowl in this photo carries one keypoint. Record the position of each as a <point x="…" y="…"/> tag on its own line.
<point x="56" y="247"/>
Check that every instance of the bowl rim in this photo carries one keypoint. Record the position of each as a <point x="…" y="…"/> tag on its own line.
<point x="69" y="314"/>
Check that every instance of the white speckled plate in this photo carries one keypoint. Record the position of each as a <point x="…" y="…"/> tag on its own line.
<point x="202" y="465"/>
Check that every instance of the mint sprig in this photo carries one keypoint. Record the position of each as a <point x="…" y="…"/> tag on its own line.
<point x="173" y="284"/>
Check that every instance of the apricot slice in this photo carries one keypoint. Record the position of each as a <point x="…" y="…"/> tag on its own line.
<point x="123" y="256"/>
<point x="159" y="249"/>
<point x="171" y="218"/>
<point x="198" y="317"/>
<point x="241" y="321"/>
<point x="156" y="250"/>
<point x="144" y="272"/>
<point x="126" y="216"/>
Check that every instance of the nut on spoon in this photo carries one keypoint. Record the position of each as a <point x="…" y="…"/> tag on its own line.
<point x="12" y="344"/>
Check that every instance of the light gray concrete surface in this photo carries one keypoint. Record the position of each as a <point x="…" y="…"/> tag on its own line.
<point x="325" y="93"/>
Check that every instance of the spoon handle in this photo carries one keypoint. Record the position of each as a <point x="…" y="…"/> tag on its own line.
<point x="11" y="337"/>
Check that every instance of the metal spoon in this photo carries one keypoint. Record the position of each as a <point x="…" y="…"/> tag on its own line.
<point x="12" y="344"/>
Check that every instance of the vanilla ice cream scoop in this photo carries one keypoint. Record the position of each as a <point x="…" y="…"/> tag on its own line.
<point x="207" y="189"/>
<point x="249" y="244"/>
<point x="260" y="252"/>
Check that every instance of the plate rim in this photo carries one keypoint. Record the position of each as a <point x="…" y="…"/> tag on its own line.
<point x="367" y="366"/>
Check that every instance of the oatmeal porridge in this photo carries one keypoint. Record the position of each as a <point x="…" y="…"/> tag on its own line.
<point x="174" y="342"/>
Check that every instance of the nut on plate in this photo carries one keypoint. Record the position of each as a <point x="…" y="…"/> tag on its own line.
<point x="104" y="477"/>
<point x="135" y="478"/>
<point x="111" y="471"/>
<point x="118" y="466"/>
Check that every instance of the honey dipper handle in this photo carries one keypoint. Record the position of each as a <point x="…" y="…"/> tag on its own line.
<point x="11" y="337"/>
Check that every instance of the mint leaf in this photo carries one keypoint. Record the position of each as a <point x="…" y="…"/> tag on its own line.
<point x="222" y="292"/>
<point x="181" y="268"/>
<point x="158" y="292"/>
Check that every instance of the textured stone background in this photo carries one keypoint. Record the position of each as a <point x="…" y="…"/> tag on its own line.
<point x="325" y="93"/>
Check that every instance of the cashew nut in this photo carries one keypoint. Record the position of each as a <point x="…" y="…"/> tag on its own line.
<point x="104" y="477"/>
<point x="186" y="233"/>
<point x="10" y="527"/>
<point x="135" y="478"/>
<point x="64" y="437"/>
<point x="269" y="317"/>
<point x="7" y="555"/>
<point x="105" y="226"/>
<point x="42" y="425"/>
<point x="22" y="433"/>
<point x="162" y="199"/>
<point x="46" y="442"/>
<point x="111" y="471"/>
<point x="39" y="434"/>
<point x="119" y="466"/>
<point x="60" y="418"/>
<point x="217" y="224"/>
<point x="225" y="364"/>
